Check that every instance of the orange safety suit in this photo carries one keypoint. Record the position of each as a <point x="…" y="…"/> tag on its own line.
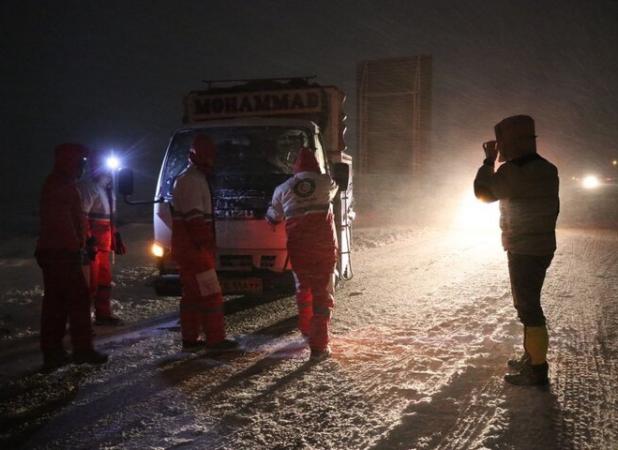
<point x="304" y="201"/>
<point x="193" y="248"/>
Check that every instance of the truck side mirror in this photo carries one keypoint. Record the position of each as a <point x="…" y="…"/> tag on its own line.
<point x="341" y="175"/>
<point x="125" y="181"/>
<point x="125" y="188"/>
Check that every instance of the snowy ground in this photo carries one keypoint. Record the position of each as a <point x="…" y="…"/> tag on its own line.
<point x="21" y="285"/>
<point x="420" y="337"/>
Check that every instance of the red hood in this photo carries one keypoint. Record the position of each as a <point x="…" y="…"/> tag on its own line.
<point x="306" y="162"/>
<point x="69" y="159"/>
<point x="203" y="151"/>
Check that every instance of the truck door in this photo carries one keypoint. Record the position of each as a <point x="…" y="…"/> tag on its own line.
<point x="343" y="222"/>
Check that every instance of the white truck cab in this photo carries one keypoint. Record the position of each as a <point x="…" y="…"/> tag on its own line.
<point x="255" y="153"/>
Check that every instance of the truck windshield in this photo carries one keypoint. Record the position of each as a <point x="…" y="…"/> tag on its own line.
<point x="240" y="151"/>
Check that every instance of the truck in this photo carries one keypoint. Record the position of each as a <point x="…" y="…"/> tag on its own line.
<point x="258" y="127"/>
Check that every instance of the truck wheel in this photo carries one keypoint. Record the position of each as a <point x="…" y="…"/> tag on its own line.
<point x="168" y="286"/>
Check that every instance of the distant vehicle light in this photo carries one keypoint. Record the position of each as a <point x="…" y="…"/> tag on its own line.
<point x="112" y="162"/>
<point x="157" y="250"/>
<point x="591" y="182"/>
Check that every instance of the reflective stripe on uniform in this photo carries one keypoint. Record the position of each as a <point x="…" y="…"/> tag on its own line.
<point x="208" y="283"/>
<point x="321" y="310"/>
<point x="96" y="216"/>
<point x="295" y="212"/>
<point x="193" y="214"/>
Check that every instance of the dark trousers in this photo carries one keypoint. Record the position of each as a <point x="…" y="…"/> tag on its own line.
<point x="66" y="298"/>
<point x="527" y="274"/>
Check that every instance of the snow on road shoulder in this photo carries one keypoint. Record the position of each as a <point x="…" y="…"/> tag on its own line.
<point x="420" y="338"/>
<point x="21" y="286"/>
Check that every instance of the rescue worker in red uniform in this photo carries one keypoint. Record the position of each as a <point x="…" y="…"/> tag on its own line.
<point x="304" y="201"/>
<point x="61" y="253"/>
<point x="194" y="247"/>
<point x="526" y="186"/>
<point x="99" y="205"/>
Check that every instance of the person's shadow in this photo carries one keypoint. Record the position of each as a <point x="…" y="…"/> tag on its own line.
<point x="477" y="405"/>
<point x="533" y="419"/>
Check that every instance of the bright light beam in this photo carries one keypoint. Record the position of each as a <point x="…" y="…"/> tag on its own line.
<point x="591" y="182"/>
<point x="112" y="162"/>
<point x="157" y="250"/>
<point x="473" y="214"/>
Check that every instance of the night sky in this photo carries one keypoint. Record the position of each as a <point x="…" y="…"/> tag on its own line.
<point x="111" y="74"/>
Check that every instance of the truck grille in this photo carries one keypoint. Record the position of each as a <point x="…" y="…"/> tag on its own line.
<point x="267" y="261"/>
<point x="236" y="261"/>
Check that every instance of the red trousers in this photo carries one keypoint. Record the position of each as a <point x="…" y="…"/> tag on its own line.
<point x="101" y="284"/>
<point x="201" y="306"/>
<point x="313" y="254"/>
<point x="315" y="300"/>
<point x="65" y="298"/>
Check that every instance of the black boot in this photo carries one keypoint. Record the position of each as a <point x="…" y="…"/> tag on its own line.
<point x="529" y="375"/>
<point x="90" y="356"/>
<point x="111" y="321"/>
<point x="517" y="363"/>
<point x="319" y="355"/>
<point x="54" y="359"/>
<point x="193" y="346"/>
<point x="222" y="346"/>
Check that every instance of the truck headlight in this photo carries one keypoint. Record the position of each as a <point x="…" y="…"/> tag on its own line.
<point x="157" y="250"/>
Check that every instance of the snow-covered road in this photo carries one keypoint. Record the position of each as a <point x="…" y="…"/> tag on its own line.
<point x="420" y="338"/>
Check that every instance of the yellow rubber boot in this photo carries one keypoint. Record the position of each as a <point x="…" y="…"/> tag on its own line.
<point x="536" y="342"/>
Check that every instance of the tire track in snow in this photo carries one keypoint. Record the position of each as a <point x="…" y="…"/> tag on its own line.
<point x="417" y="362"/>
<point x="582" y="306"/>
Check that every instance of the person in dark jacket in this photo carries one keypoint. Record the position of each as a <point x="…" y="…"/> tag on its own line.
<point x="61" y="254"/>
<point x="526" y="186"/>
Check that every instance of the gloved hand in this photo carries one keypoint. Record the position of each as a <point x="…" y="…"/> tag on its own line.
<point x="272" y="225"/>
<point x="491" y="150"/>
<point x="118" y="245"/>
<point x="91" y="248"/>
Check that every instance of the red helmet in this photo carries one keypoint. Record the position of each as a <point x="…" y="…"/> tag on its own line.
<point x="202" y="152"/>
<point x="69" y="158"/>
<point x="306" y="162"/>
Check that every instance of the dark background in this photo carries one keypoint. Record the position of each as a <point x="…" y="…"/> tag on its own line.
<point x="111" y="74"/>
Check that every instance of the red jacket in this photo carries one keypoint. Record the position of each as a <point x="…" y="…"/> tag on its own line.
<point x="63" y="225"/>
